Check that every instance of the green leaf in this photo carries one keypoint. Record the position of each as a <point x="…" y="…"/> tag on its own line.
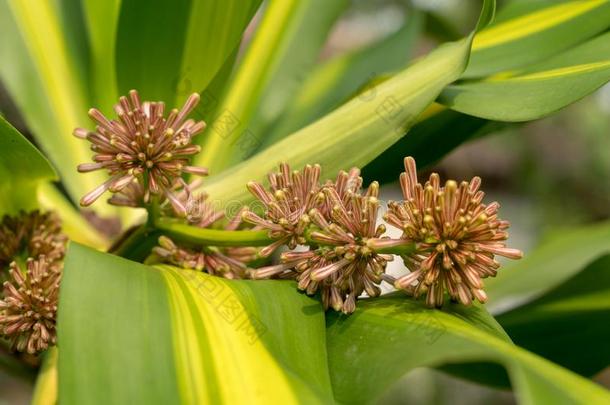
<point x="22" y="168"/>
<point x="332" y="83"/>
<point x="560" y="256"/>
<point x="168" y="50"/>
<point x="527" y="32"/>
<point x="361" y="129"/>
<point x="130" y="333"/>
<point x="569" y="324"/>
<point x="392" y="335"/>
<point x="445" y="129"/>
<point x="43" y="80"/>
<point x="214" y="33"/>
<point x="101" y="20"/>
<point x="283" y="49"/>
<point x="535" y="91"/>
<point x="215" y="237"/>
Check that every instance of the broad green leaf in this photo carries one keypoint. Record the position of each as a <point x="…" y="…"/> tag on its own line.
<point x="332" y="83"/>
<point x="43" y="80"/>
<point x="283" y="49"/>
<point x="358" y="131"/>
<point x="535" y="91"/>
<point x="569" y="324"/>
<point x="22" y="168"/>
<point x="130" y="333"/>
<point x="168" y="50"/>
<point x="560" y="256"/>
<point x="528" y="31"/>
<point x="392" y="335"/>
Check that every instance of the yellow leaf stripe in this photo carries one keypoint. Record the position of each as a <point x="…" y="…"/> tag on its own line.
<point x="217" y="347"/>
<point x="551" y="73"/>
<point x="39" y="26"/>
<point x="532" y="23"/>
<point x="564" y="71"/>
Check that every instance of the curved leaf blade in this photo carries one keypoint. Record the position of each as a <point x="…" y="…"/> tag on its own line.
<point x="527" y="32"/>
<point x="559" y="256"/>
<point x="535" y="91"/>
<point x="391" y="335"/>
<point x="166" y="335"/>
<point x="575" y="314"/>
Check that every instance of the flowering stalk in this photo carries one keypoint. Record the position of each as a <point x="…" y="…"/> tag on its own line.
<point x="448" y="242"/>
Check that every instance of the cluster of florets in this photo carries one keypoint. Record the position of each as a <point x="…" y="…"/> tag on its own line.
<point x="32" y="248"/>
<point x="455" y="234"/>
<point x="337" y="219"/>
<point x="145" y="153"/>
<point x="448" y="243"/>
<point x="287" y="202"/>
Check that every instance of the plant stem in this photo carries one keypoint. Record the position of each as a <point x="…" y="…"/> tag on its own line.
<point x="212" y="237"/>
<point x="153" y="210"/>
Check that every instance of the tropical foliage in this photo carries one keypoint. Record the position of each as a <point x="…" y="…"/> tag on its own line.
<point x="133" y="330"/>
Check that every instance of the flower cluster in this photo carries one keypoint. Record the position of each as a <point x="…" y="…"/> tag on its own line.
<point x="144" y="152"/>
<point x="31" y="234"/>
<point x="28" y="304"/>
<point x="338" y="263"/>
<point x="449" y="236"/>
<point x="455" y="234"/>
<point x="287" y="202"/>
<point x="28" y="309"/>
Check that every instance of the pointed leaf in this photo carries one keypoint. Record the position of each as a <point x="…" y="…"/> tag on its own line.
<point x="538" y="90"/>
